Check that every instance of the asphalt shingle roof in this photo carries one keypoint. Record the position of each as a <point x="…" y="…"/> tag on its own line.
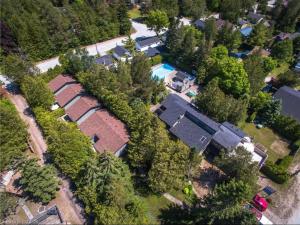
<point x="60" y="81"/>
<point x="290" y="99"/>
<point x="185" y="122"/>
<point x="121" y="51"/>
<point x="148" y="41"/>
<point x="152" y="52"/>
<point x="105" y="60"/>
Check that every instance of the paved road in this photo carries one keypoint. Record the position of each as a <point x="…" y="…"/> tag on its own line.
<point x="64" y="200"/>
<point x="102" y="47"/>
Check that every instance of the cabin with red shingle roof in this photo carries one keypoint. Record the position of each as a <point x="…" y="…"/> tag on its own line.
<point x="80" y="106"/>
<point x="105" y="130"/>
<point x="68" y="93"/>
<point x="60" y="81"/>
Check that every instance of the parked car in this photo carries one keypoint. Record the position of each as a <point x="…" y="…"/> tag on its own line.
<point x="260" y="203"/>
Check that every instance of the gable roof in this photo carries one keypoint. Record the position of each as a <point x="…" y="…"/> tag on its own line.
<point x="81" y="106"/>
<point x="185" y="122"/>
<point x="111" y="133"/>
<point x="290" y="99"/>
<point x="150" y="52"/>
<point x="59" y="81"/>
<point x="255" y="16"/>
<point x="148" y="41"/>
<point x="105" y="60"/>
<point x="121" y="51"/>
<point x="68" y="93"/>
<point x="199" y="24"/>
<point x="228" y="136"/>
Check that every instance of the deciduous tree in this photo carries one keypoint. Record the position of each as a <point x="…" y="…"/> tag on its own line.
<point x="157" y="20"/>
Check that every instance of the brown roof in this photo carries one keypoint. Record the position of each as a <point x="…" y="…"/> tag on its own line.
<point x="66" y="95"/>
<point x="60" y="81"/>
<point x="111" y="132"/>
<point x="81" y="106"/>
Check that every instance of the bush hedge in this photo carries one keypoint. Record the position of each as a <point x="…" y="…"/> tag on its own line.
<point x="287" y="127"/>
<point x="156" y="60"/>
<point x="278" y="172"/>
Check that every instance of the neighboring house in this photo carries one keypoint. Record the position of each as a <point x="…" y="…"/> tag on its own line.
<point x="121" y="53"/>
<point x="283" y="36"/>
<point x="240" y="55"/>
<point x="106" y="132"/>
<point x="151" y="52"/>
<point x="68" y="93"/>
<point x="182" y="81"/>
<point x="147" y="43"/>
<point x="200" y="24"/>
<point x="297" y="67"/>
<point x="198" y="131"/>
<point x="80" y="106"/>
<point x="290" y="100"/>
<point x="255" y="18"/>
<point x="50" y="216"/>
<point x="60" y="81"/>
<point x="106" y="60"/>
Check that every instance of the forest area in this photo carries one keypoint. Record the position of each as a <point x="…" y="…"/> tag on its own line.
<point x="42" y="29"/>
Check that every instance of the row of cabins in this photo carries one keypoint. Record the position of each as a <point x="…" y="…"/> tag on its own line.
<point x="200" y="132"/>
<point x="107" y="133"/>
<point x="147" y="45"/>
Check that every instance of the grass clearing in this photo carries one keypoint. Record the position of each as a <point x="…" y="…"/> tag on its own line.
<point x="283" y="67"/>
<point x="134" y="13"/>
<point x="277" y="147"/>
<point x="154" y="203"/>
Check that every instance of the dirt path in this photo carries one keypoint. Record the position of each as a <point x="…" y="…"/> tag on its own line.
<point x="39" y="145"/>
<point x="71" y="211"/>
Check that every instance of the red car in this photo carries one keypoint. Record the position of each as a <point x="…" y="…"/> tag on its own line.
<point x="260" y="203"/>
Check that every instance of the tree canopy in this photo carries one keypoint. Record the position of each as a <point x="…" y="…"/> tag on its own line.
<point x="13" y="135"/>
<point x="40" y="183"/>
<point x="46" y="28"/>
<point x="216" y="104"/>
<point x="157" y="20"/>
<point x="37" y="92"/>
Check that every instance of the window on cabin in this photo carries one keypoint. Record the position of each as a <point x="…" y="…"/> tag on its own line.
<point x="95" y="138"/>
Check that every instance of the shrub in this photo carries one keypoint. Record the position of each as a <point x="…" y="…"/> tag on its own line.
<point x="285" y="162"/>
<point x="275" y="172"/>
<point x="156" y="60"/>
<point x="287" y="127"/>
<point x="251" y="118"/>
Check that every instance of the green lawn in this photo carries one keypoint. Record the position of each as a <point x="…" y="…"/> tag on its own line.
<point x="134" y="13"/>
<point x="283" y="67"/>
<point x="277" y="148"/>
<point x="154" y="203"/>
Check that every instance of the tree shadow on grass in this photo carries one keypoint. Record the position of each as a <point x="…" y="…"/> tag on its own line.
<point x="176" y="215"/>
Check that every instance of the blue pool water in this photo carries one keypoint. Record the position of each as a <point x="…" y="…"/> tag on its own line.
<point x="162" y="71"/>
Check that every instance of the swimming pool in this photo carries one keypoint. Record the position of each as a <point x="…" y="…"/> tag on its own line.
<point x="162" y="71"/>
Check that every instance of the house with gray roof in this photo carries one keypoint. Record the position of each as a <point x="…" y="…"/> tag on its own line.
<point x="146" y="43"/>
<point x="151" y="52"/>
<point x="106" y="60"/>
<point x="290" y="100"/>
<point x="200" y="24"/>
<point x="255" y="18"/>
<point x="198" y="131"/>
<point x="121" y="53"/>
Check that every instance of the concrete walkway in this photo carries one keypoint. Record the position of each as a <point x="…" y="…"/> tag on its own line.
<point x="173" y="199"/>
<point x="27" y="212"/>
